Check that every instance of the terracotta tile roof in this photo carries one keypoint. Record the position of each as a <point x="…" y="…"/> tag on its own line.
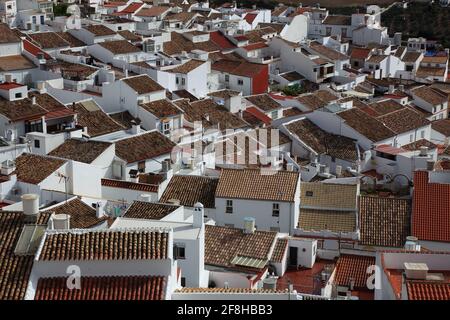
<point x="419" y="143"/>
<point x="251" y="184"/>
<point x="327" y="52"/>
<point x="80" y="150"/>
<point x="239" y="68"/>
<point x="255" y="117"/>
<point x="384" y="221"/>
<point x="442" y="126"/>
<point x="105" y="245"/>
<point x="7" y="35"/>
<point x="366" y="125"/>
<point x="14" y="270"/>
<point x="191" y="189"/>
<point x="430" y="95"/>
<point x="178" y="43"/>
<point x="411" y="56"/>
<point x="149" y="210"/>
<point x="431" y="209"/>
<point x="82" y="215"/>
<point x="221" y="41"/>
<point x="144" y="146"/>
<point x="187" y="66"/>
<point x="278" y="27"/>
<point x="48" y="40"/>
<point x="280" y="250"/>
<point x="99" y="30"/>
<point x="54" y="108"/>
<point x="16" y="62"/>
<point x="119" y="47"/>
<point x="403" y="120"/>
<point x="222" y="244"/>
<point x="152" y="12"/>
<point x="323" y="142"/>
<point x="353" y="267"/>
<point x="130" y="36"/>
<point x="129" y="185"/>
<point x="103" y="288"/>
<point x="423" y="72"/>
<point x="97" y="122"/>
<point x="74" y="42"/>
<point x="264" y="102"/>
<point x="328" y="196"/>
<point x="360" y="53"/>
<point x="335" y="221"/>
<point x="292" y="76"/>
<point x="207" y="109"/>
<point x="255" y="46"/>
<point x="427" y="290"/>
<point x="229" y="290"/>
<point x="435" y="59"/>
<point x="19" y="110"/>
<point x="33" y="168"/>
<point x="385" y="106"/>
<point x="142" y="84"/>
<point x="377" y="58"/>
<point x="162" y="108"/>
<point x="317" y="99"/>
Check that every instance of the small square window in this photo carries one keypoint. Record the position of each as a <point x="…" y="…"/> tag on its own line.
<point x="37" y="144"/>
<point x="183" y="281"/>
<point x="179" y="252"/>
<point x="18" y="95"/>
<point x="141" y="166"/>
<point x="240" y="82"/>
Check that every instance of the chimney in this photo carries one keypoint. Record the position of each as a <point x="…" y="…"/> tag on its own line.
<point x="290" y="167"/>
<point x="391" y="88"/>
<point x="8" y="77"/>
<point x="99" y="212"/>
<point x="135" y="127"/>
<point x="126" y="73"/>
<point x="33" y="100"/>
<point x="423" y="151"/>
<point x="30" y="204"/>
<point x="60" y="221"/>
<point x="249" y="225"/>
<point x="199" y="214"/>
<point x="411" y="244"/>
<point x="146" y="197"/>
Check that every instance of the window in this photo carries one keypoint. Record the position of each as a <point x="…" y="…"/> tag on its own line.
<point x="33" y="126"/>
<point x="422" y="134"/>
<point x="411" y="138"/>
<point x="328" y="31"/>
<point x="37" y="144"/>
<point x="356" y="63"/>
<point x="275" y="209"/>
<point x="229" y="206"/>
<point x="344" y="32"/>
<point x="309" y="193"/>
<point x="183" y="81"/>
<point x="240" y="82"/>
<point x="274" y="114"/>
<point x="42" y="19"/>
<point x="179" y="251"/>
<point x="18" y="95"/>
<point x="177" y="81"/>
<point x="409" y="68"/>
<point x="141" y="166"/>
<point x="227" y="78"/>
<point x="119" y="28"/>
<point x="183" y="281"/>
<point x="166" y="127"/>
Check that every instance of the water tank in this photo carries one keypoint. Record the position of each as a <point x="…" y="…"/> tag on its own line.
<point x="30" y="203"/>
<point x="249" y="225"/>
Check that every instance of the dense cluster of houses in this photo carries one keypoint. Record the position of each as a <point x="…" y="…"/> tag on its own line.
<point x="170" y="150"/>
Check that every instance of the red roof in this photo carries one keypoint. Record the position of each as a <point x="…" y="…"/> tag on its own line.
<point x="132" y="8"/>
<point x="255" y="46"/>
<point x="103" y="288"/>
<point x="250" y="17"/>
<point x="353" y="267"/>
<point x="34" y="50"/>
<point x="259" y="115"/>
<point x="386" y="148"/>
<point x="220" y="40"/>
<point x="241" y="38"/>
<point x="10" y="85"/>
<point x="360" y="53"/>
<point x="431" y="209"/>
<point x="428" y="290"/>
<point x="59" y="113"/>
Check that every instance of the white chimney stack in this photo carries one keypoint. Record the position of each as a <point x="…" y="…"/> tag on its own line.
<point x="199" y="214"/>
<point x="33" y="100"/>
<point x="249" y="225"/>
<point x="146" y="197"/>
<point x="30" y="204"/>
<point x="135" y="127"/>
<point x="60" y="221"/>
